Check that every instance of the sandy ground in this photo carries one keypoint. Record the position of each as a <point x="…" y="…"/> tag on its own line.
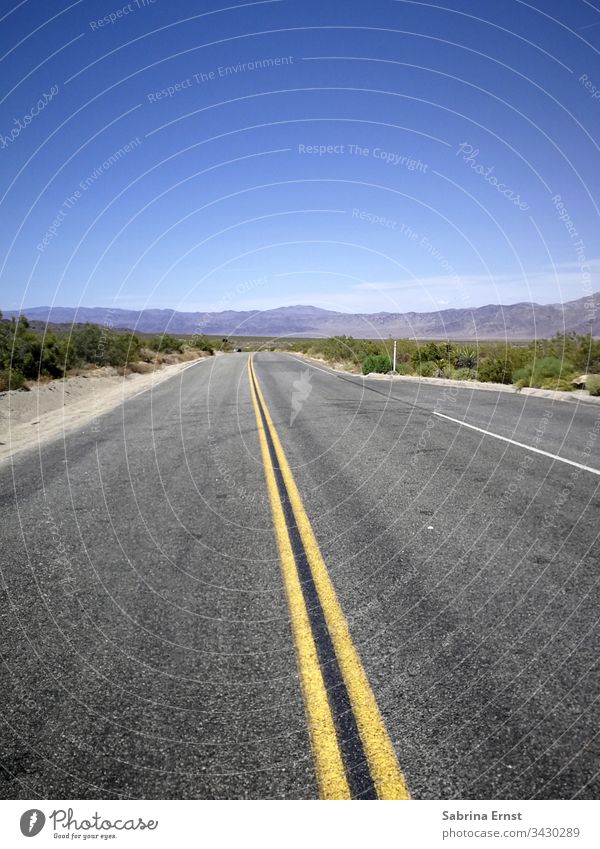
<point x="48" y="409"/>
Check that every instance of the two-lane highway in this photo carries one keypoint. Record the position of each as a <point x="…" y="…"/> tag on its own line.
<point x="271" y="581"/>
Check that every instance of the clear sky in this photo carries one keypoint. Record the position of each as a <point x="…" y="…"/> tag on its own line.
<point x="362" y="155"/>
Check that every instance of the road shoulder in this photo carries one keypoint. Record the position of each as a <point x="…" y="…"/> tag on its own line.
<point x="32" y="418"/>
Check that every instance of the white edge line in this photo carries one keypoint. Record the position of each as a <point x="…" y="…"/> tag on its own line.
<point x="487" y="432"/>
<point x="519" y="444"/>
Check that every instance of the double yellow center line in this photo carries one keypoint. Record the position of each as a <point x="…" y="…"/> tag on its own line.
<point x="354" y="757"/>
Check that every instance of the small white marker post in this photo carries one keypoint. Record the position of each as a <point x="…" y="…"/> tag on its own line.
<point x="394" y="364"/>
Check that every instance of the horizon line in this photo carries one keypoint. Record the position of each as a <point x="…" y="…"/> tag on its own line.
<point x="23" y="310"/>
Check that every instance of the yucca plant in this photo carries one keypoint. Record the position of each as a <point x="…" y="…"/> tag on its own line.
<point x="466" y="358"/>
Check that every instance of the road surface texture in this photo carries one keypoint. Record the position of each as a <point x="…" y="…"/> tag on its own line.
<point x="268" y="580"/>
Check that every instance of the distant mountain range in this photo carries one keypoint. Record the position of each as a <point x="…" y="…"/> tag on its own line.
<point x="514" y="321"/>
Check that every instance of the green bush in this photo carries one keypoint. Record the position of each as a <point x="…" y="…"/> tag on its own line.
<point x="11" y="379"/>
<point x="464" y="374"/>
<point x="86" y="344"/>
<point x="522" y="376"/>
<point x="166" y="344"/>
<point x="495" y="370"/>
<point x="426" y="369"/>
<point x="378" y="363"/>
<point x="342" y="348"/>
<point x="435" y="352"/>
<point x="583" y="351"/>
<point x="202" y="343"/>
<point x="593" y="385"/>
<point x="31" y="354"/>
<point x="90" y="343"/>
<point x="123" y="349"/>
<point x="551" y="367"/>
<point x="546" y="373"/>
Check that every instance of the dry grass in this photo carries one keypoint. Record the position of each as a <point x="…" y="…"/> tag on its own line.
<point x="140" y="368"/>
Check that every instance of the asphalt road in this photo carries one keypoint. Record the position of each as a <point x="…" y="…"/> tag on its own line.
<point x="147" y="650"/>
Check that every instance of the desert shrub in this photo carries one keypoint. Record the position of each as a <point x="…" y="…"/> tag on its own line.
<point x="593" y="384"/>
<point x="522" y="376"/>
<point x="551" y="367"/>
<point x="546" y="373"/>
<point x="90" y="343"/>
<point x="403" y="368"/>
<point x="426" y="369"/>
<point x="347" y="349"/>
<point x="583" y="351"/>
<point x="464" y="374"/>
<point x="378" y="363"/>
<point x="202" y="343"/>
<point x="86" y="344"/>
<point x="29" y="353"/>
<point x="11" y="379"/>
<point x="123" y="349"/>
<point x="147" y="355"/>
<point x="340" y="348"/>
<point x="560" y="383"/>
<point x="140" y="367"/>
<point x="435" y="352"/>
<point x="38" y="356"/>
<point x="589" y="358"/>
<point x="166" y="344"/>
<point x="465" y="358"/>
<point x="495" y="370"/>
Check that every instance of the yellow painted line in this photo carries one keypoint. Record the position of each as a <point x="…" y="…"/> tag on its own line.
<point x="383" y="764"/>
<point x="329" y="765"/>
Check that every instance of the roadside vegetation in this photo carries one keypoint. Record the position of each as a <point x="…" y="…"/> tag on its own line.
<point x="33" y="354"/>
<point x="544" y="363"/>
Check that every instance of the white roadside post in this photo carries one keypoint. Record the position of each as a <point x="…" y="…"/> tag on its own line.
<point x="394" y="365"/>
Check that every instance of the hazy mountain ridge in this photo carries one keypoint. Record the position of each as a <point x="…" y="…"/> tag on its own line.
<point x="493" y="321"/>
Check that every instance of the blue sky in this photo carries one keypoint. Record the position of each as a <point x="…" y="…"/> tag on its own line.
<point x="359" y="156"/>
